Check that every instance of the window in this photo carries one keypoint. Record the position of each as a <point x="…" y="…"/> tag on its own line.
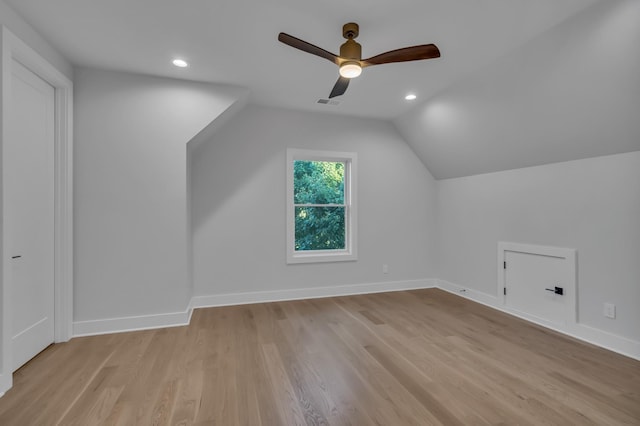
<point x="321" y="207"/>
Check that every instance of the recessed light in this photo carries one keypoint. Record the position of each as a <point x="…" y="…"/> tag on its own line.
<point x="410" y="97"/>
<point x="180" y="63"/>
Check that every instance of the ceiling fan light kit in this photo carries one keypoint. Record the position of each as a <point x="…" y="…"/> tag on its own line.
<point x="350" y="62"/>
<point x="350" y="69"/>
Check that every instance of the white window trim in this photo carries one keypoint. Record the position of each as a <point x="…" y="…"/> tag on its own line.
<point x="350" y="252"/>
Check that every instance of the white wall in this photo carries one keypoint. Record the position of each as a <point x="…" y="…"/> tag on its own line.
<point x="130" y="189"/>
<point x="238" y="204"/>
<point x="591" y="205"/>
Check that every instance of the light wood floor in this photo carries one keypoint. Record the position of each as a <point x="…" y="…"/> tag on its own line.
<point x="405" y="358"/>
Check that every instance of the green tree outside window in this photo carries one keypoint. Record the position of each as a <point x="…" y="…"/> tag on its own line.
<point x="318" y="192"/>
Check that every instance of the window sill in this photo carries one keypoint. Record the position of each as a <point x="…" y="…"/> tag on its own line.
<point x="321" y="257"/>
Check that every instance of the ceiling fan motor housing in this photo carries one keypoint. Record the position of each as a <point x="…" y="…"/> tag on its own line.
<point x="351" y="49"/>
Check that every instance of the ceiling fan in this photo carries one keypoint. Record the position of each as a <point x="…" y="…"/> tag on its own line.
<point x="350" y="60"/>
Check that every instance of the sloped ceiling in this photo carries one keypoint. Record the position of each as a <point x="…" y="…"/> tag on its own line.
<point x="520" y="82"/>
<point x="572" y="92"/>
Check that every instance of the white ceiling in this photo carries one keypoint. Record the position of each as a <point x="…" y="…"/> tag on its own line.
<point x="235" y="42"/>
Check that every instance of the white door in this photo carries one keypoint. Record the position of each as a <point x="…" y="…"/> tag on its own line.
<point x="530" y="283"/>
<point x="29" y="186"/>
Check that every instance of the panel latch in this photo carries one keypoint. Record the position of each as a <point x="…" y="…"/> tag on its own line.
<point x="556" y="290"/>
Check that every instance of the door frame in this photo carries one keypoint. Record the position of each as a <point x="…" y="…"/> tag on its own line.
<point x="15" y="49"/>
<point x="569" y="272"/>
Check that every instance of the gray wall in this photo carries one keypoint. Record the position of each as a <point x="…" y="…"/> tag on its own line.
<point x="131" y="133"/>
<point x="238" y="204"/>
<point x="591" y="205"/>
<point x="24" y="31"/>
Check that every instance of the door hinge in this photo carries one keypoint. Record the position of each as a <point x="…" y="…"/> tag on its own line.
<point x="505" y="265"/>
<point x="504" y="291"/>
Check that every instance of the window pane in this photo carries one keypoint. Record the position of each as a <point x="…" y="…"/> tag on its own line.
<point x="319" y="228"/>
<point x="318" y="182"/>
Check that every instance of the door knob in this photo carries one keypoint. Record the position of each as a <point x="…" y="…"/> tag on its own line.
<point x="16" y="257"/>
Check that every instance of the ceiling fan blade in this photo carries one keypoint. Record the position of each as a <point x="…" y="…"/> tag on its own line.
<point x="340" y="87"/>
<point x="413" y="53"/>
<point x="307" y="47"/>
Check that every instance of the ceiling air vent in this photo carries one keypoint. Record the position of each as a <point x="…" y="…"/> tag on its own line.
<point x="328" y="102"/>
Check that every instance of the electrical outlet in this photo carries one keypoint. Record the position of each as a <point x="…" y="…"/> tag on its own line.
<point x="385" y="269"/>
<point x="609" y="310"/>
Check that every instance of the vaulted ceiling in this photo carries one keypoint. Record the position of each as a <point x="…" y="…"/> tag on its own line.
<point x="235" y="42"/>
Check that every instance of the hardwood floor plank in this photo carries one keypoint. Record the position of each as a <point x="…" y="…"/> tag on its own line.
<point x="422" y="357"/>
<point x="420" y="392"/>
<point x="285" y="397"/>
<point x="330" y="390"/>
<point x="302" y="379"/>
<point x="335" y="365"/>
<point x="250" y="378"/>
<point x="368" y="315"/>
<point x="218" y="404"/>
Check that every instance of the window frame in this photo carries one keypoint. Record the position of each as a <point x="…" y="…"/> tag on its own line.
<point x="349" y="253"/>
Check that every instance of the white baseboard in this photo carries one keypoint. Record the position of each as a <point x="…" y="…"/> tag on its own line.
<point x="6" y="382"/>
<point x="604" y="339"/>
<point x="579" y="331"/>
<point x="476" y="296"/>
<point x="307" y="293"/>
<point x="176" y="319"/>
<point x="135" y="323"/>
